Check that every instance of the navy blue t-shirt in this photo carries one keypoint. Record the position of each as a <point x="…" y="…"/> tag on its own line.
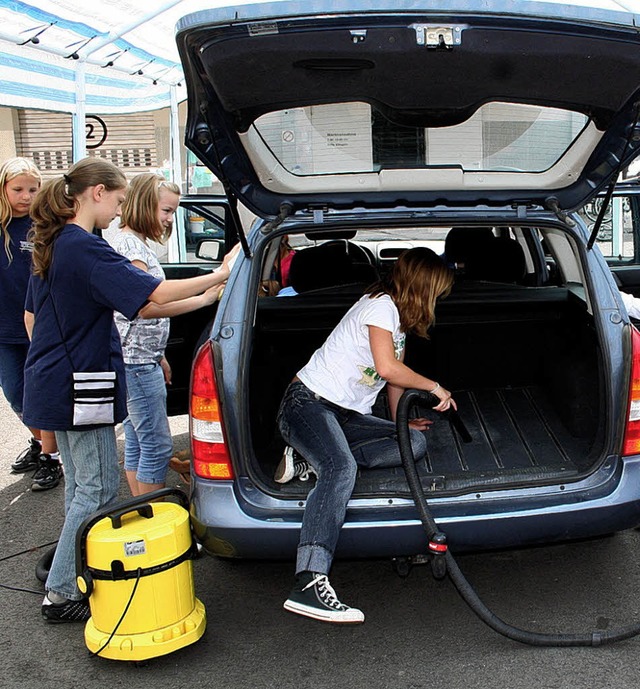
<point x="87" y="281"/>
<point x="14" y="278"/>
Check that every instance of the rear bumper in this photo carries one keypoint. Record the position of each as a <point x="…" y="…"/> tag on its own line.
<point x="228" y="530"/>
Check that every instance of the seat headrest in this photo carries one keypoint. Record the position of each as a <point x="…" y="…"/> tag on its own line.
<point x="321" y="266"/>
<point x="462" y="242"/>
<point x="500" y="260"/>
<point x="329" y="265"/>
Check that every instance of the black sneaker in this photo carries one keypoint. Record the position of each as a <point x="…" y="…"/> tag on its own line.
<point x="292" y="466"/>
<point x="29" y="459"/>
<point x="48" y="475"/>
<point x="313" y="596"/>
<point x="69" y="611"/>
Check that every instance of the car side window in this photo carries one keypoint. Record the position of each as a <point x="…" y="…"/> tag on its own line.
<point x="198" y="227"/>
<point x="617" y="237"/>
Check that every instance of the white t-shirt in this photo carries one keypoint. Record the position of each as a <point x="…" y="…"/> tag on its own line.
<point x="342" y="370"/>
<point x="632" y="304"/>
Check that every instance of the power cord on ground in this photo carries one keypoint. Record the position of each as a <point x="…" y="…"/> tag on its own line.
<point x="24" y="552"/>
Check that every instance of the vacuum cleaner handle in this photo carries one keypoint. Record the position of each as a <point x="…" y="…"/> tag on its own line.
<point x="139" y="503"/>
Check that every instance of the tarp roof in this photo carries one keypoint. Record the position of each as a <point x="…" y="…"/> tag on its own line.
<point x="124" y="49"/>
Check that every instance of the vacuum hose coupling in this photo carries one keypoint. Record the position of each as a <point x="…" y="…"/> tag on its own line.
<point x="438" y="549"/>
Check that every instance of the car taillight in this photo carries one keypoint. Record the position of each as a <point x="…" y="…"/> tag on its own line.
<point x="631" y="444"/>
<point x="210" y="458"/>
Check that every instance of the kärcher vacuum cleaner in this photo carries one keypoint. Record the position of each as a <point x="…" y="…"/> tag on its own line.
<point x="134" y="562"/>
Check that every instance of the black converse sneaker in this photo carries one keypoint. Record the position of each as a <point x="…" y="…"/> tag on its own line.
<point x="48" y="475"/>
<point x="313" y="596"/>
<point x="28" y="459"/>
<point x="292" y="466"/>
<point x="69" y="611"/>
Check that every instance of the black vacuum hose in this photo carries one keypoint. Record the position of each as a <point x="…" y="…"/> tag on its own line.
<point x="440" y="551"/>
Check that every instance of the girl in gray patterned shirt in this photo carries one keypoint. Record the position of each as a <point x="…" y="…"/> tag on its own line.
<point x="147" y="215"/>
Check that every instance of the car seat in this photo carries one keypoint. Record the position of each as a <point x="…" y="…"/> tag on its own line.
<point x="499" y="260"/>
<point x="327" y="265"/>
<point x="461" y="243"/>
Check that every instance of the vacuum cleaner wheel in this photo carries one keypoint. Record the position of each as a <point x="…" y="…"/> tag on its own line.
<point x="44" y="564"/>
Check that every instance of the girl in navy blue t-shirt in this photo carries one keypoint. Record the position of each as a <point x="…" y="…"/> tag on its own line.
<point x="19" y="182"/>
<point x="78" y="283"/>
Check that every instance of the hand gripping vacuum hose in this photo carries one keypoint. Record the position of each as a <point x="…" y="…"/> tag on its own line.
<point x="443" y="561"/>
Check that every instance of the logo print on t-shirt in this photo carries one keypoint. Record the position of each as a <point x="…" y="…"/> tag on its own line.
<point x="398" y="346"/>
<point x="369" y="376"/>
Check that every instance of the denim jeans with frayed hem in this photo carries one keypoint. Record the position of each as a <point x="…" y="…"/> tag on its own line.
<point x="335" y="442"/>
<point x="148" y="443"/>
<point x="92" y="478"/>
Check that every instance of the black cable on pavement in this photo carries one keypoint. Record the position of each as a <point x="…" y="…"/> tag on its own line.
<point x="24" y="552"/>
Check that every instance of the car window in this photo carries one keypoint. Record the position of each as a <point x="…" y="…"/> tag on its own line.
<point x="198" y="220"/>
<point x="617" y="237"/>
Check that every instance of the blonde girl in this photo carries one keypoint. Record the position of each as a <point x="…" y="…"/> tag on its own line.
<point x="20" y="180"/>
<point x="147" y="216"/>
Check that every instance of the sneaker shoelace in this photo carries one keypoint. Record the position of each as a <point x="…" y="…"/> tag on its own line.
<point x="327" y="593"/>
<point x="302" y="469"/>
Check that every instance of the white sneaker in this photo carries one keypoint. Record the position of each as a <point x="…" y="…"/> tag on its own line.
<point x="292" y="466"/>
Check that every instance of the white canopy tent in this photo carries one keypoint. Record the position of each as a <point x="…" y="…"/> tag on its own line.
<point x="117" y="56"/>
<point x="104" y="56"/>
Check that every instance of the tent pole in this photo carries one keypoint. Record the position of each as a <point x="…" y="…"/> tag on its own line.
<point x="78" y="118"/>
<point x="174" y="134"/>
<point x="175" y="169"/>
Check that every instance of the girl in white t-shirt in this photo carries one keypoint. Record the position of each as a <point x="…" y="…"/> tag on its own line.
<point x="326" y="418"/>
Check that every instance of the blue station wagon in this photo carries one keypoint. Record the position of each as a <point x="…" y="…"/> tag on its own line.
<point x="356" y="130"/>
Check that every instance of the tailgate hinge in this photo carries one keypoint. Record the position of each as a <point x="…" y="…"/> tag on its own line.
<point x="552" y="204"/>
<point x="437" y="36"/>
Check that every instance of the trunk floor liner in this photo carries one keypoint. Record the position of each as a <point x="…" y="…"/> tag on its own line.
<point x="516" y="436"/>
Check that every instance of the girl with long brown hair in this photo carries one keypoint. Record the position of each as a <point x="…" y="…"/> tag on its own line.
<point x="74" y="376"/>
<point x="325" y="416"/>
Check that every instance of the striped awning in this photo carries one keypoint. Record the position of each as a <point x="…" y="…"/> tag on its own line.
<point x="124" y="51"/>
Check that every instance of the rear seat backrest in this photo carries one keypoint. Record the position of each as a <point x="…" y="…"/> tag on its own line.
<point x="327" y="265"/>
<point x="500" y="260"/>
<point x="462" y="242"/>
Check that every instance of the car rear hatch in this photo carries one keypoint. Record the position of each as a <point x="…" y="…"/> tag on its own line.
<point x="384" y="105"/>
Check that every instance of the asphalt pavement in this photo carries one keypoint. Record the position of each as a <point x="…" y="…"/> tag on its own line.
<point x="418" y="632"/>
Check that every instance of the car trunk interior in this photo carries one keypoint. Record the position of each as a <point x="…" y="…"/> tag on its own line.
<point x="522" y="363"/>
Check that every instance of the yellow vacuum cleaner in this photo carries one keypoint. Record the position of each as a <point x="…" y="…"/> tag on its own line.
<point x="134" y="562"/>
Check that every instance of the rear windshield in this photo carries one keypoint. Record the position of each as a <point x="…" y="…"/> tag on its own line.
<point x="354" y="137"/>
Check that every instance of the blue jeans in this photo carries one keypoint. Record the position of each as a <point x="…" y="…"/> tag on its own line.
<point x="148" y="445"/>
<point x="12" y="360"/>
<point x="92" y="478"/>
<point x="335" y="441"/>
